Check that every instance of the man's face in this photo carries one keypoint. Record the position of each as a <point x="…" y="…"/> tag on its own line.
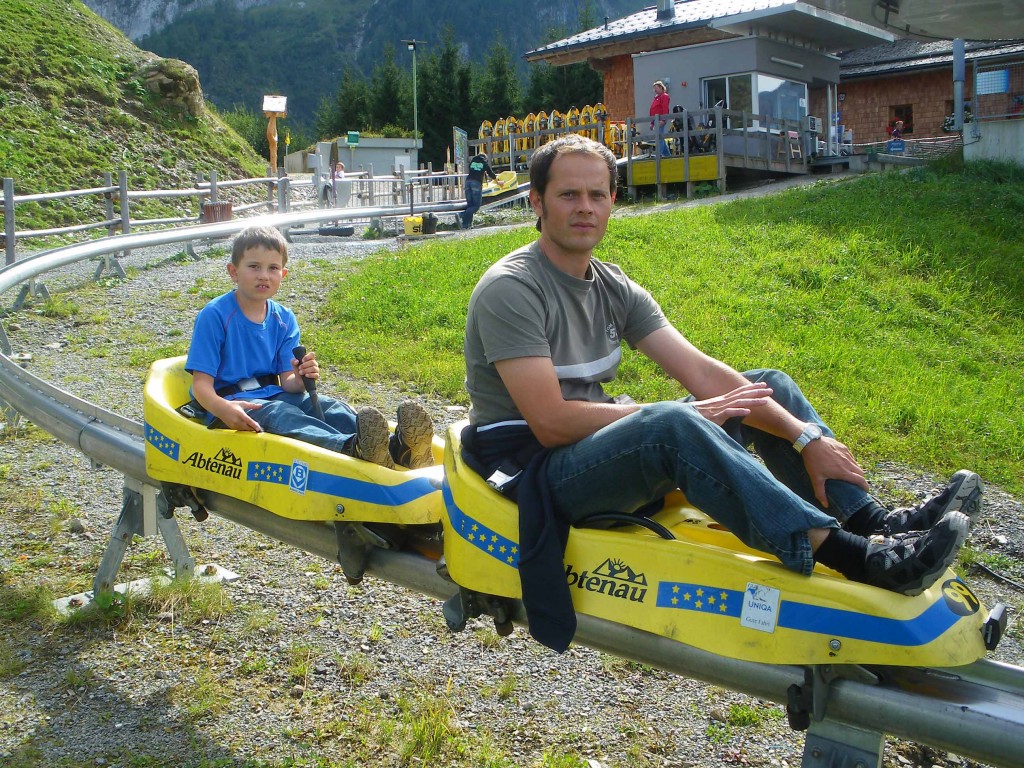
<point x="576" y="205"/>
<point x="258" y="274"/>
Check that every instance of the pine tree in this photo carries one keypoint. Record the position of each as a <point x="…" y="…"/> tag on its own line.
<point x="353" y="104"/>
<point x="445" y="83"/>
<point x="499" y="94"/>
<point x="386" y="92"/>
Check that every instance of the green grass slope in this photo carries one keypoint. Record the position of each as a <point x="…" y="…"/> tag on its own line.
<point x="895" y="300"/>
<point x="72" y="105"/>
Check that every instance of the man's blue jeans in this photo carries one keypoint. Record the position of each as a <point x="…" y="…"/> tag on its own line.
<point x="669" y="445"/>
<point x="291" y="414"/>
<point x="474" y="198"/>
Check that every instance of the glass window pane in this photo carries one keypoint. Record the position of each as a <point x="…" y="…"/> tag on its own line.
<point x="714" y="91"/>
<point x="740" y="93"/>
<point x="781" y="99"/>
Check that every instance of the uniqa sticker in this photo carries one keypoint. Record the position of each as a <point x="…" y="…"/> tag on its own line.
<point x="760" y="608"/>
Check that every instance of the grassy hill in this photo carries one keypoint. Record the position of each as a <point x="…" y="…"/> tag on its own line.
<point x="74" y="103"/>
<point x="896" y="300"/>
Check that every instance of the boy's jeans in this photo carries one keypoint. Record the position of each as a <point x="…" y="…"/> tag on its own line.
<point x="669" y="445"/>
<point x="290" y="414"/>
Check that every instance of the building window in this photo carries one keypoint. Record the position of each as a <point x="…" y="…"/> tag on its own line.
<point x="904" y="112"/>
<point x="733" y="91"/>
<point x="757" y="94"/>
<point x="781" y="99"/>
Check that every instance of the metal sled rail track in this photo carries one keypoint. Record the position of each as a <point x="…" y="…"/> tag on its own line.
<point x="976" y="711"/>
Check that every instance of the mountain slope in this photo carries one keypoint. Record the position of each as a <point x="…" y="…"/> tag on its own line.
<point x="78" y="99"/>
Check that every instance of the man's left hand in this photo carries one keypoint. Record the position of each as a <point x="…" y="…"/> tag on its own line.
<point x="828" y="459"/>
<point x="737" y="403"/>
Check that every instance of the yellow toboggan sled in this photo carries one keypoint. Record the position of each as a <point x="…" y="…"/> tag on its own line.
<point x="685" y="577"/>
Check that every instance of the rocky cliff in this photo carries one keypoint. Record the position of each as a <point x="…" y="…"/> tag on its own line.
<point x="138" y="18"/>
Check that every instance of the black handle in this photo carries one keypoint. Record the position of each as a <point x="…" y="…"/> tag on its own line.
<point x="309" y="384"/>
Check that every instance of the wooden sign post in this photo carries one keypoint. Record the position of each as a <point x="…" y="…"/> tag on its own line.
<point x="273" y="108"/>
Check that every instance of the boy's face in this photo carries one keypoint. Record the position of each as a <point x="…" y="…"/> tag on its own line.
<point x="258" y="274"/>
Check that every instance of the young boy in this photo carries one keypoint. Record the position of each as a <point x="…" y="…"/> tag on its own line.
<point x="246" y="377"/>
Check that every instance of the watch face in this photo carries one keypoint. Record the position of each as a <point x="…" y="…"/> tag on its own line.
<point x="813" y="431"/>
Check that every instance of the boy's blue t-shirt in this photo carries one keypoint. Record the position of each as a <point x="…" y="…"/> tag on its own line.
<point x="230" y="347"/>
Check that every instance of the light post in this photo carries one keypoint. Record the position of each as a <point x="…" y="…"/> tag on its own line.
<point x="411" y="45"/>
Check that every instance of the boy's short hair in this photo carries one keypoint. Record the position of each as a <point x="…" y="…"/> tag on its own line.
<point x="251" y="237"/>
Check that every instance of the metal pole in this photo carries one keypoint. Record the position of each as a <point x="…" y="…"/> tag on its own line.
<point x="415" y="102"/>
<point x="9" y="220"/>
<point x="959" y="75"/>
<point x="411" y="45"/>
<point x="829" y="120"/>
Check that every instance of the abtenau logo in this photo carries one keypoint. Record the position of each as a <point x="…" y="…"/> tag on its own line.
<point x="613" y="578"/>
<point x="224" y="463"/>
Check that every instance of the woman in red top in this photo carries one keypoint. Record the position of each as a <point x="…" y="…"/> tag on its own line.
<point x="659" y="106"/>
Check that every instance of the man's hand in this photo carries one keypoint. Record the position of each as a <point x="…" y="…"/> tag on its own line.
<point x="234" y="414"/>
<point x="828" y="459"/>
<point x="736" y="403"/>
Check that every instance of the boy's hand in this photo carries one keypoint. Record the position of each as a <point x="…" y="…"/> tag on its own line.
<point x="235" y="415"/>
<point x="307" y="366"/>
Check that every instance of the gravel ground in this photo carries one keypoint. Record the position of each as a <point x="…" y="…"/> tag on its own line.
<point x="306" y="669"/>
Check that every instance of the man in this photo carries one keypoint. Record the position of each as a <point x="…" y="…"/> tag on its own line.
<point x="478" y="166"/>
<point x="543" y="333"/>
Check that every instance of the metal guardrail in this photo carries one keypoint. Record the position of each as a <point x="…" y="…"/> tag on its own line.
<point x="412" y="190"/>
<point x="976" y="711"/>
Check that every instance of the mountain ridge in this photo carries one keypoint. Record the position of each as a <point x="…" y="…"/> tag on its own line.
<point x="245" y="48"/>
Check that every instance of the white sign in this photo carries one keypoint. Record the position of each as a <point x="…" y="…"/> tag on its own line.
<point x="760" y="608"/>
<point x="275" y="103"/>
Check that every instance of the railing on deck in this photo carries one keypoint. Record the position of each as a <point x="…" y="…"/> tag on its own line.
<point x="754" y="141"/>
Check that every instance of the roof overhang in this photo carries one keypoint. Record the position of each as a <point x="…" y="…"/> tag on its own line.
<point x="805" y="22"/>
<point x="626" y="45"/>
<point x="794" y="20"/>
<point x="942" y="19"/>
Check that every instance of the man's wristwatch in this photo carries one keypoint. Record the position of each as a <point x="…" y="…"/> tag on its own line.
<point x="811" y="433"/>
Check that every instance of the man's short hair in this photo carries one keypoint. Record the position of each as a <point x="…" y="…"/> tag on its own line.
<point x="251" y="237"/>
<point x="540" y="163"/>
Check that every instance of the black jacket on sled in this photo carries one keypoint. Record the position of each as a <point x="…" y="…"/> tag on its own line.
<point x="513" y="461"/>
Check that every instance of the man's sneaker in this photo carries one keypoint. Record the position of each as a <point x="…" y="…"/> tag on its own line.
<point x="372" y="437"/>
<point x="962" y="494"/>
<point x="414" y="436"/>
<point x="911" y="562"/>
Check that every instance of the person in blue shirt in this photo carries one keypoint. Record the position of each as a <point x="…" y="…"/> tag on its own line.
<point x="478" y="167"/>
<point x="246" y="377"/>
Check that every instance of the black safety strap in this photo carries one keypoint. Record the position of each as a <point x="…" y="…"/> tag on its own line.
<point x="194" y="410"/>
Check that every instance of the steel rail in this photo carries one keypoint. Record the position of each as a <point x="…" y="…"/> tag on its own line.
<point x="976" y="711"/>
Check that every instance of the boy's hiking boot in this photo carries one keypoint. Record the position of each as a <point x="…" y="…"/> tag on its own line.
<point x="962" y="494"/>
<point x="414" y="436"/>
<point x="372" y="437"/>
<point x="909" y="563"/>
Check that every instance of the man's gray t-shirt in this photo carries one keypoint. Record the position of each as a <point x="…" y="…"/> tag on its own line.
<point x="524" y="306"/>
